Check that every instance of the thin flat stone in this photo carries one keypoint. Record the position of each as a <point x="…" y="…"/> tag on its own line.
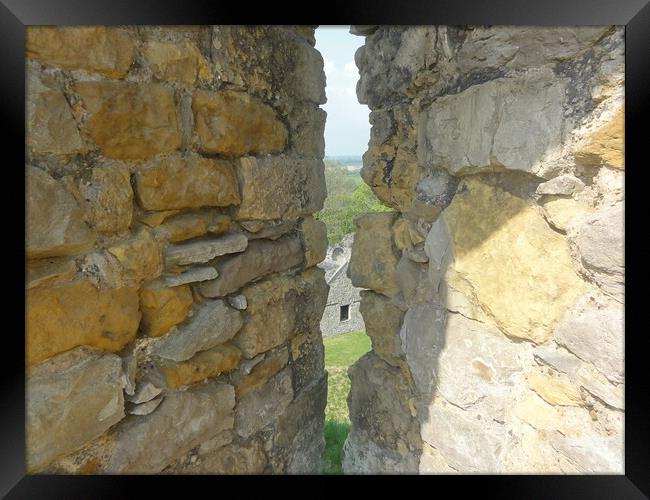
<point x="192" y="275"/>
<point x="198" y="252"/>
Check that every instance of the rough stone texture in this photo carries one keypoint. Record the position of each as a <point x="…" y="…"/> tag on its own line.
<point x="502" y="149"/>
<point x="104" y="50"/>
<point x="54" y="223"/>
<point x="109" y="199"/>
<point x="145" y="445"/>
<point x="235" y="123"/>
<point x="526" y="290"/>
<point x="67" y="315"/>
<point x="262" y="405"/>
<point x="214" y="323"/>
<point x="199" y="252"/>
<point x="130" y="120"/>
<point x="164" y="308"/>
<point x="73" y="397"/>
<point x="187" y="181"/>
<point x="142" y="143"/>
<point x="292" y="187"/>
<point x="374" y="257"/>
<point x="382" y="320"/>
<point x="261" y="258"/>
<point x="279" y="308"/>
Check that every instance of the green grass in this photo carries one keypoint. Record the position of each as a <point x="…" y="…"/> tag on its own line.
<point x="340" y="352"/>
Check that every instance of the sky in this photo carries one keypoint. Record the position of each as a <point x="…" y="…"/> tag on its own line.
<point x="347" y="129"/>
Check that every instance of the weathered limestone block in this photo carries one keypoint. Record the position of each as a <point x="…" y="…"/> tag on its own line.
<point x="298" y="442"/>
<point x="270" y="61"/>
<point x="307" y="123"/>
<point x="163" y="308"/>
<point x="49" y="271"/>
<point x="383" y="321"/>
<point x="384" y="436"/>
<point x="606" y="145"/>
<point x="562" y="184"/>
<point x="104" y="50"/>
<point x="562" y="212"/>
<point x="68" y="315"/>
<point x="292" y="186"/>
<point x="374" y="257"/>
<point x="214" y="323"/>
<point x="198" y="252"/>
<point x="71" y="399"/>
<point x="314" y="240"/>
<point x="600" y="244"/>
<point x="592" y="455"/>
<point x="109" y="198"/>
<point x="190" y="225"/>
<point x="554" y="390"/>
<point x="189" y="181"/>
<point x="130" y="120"/>
<point x="263" y="405"/>
<point x="527" y="288"/>
<point x="55" y="223"/>
<point x="235" y="123"/>
<point x="465" y="443"/>
<point x="50" y="126"/>
<point x="145" y="392"/>
<point x="272" y="230"/>
<point x="145" y="408"/>
<point x="242" y="457"/>
<point x="594" y="333"/>
<point x="272" y="363"/>
<point x="177" y="62"/>
<point x="569" y="421"/>
<point x="205" y="364"/>
<point x="513" y="123"/>
<point x="583" y="374"/>
<point x="139" y="256"/>
<point x="412" y="278"/>
<point x="281" y="307"/>
<point x="192" y="275"/>
<point x="262" y="257"/>
<point x="146" y="444"/>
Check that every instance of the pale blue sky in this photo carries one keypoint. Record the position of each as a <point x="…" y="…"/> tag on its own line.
<point x="347" y="129"/>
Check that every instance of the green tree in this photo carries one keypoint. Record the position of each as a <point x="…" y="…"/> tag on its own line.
<point x="345" y="199"/>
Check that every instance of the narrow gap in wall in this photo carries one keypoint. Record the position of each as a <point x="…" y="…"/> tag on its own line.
<point x="347" y="131"/>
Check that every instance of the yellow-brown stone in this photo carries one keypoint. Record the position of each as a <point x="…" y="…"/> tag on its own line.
<point x="190" y="225"/>
<point x="555" y="391"/>
<point x="163" y="308"/>
<point x="235" y="123"/>
<point x="606" y="146"/>
<point x="205" y="364"/>
<point x="561" y="212"/>
<point x="130" y="120"/>
<point x="139" y="256"/>
<point x="104" y="50"/>
<point x="262" y="372"/>
<point x="181" y="63"/>
<point x="519" y="268"/>
<point x="109" y="198"/>
<point x="68" y="315"/>
<point x="187" y="182"/>
<point x="47" y="271"/>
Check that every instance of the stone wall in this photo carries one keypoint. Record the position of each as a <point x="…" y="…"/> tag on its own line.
<point x="495" y="289"/>
<point x="173" y="302"/>
<point x="341" y="293"/>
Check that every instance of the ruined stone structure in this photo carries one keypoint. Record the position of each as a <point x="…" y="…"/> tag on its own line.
<point x="341" y="314"/>
<point x="173" y="298"/>
<point x="495" y="300"/>
<point x="172" y="287"/>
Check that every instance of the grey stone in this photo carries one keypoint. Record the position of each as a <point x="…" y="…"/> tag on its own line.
<point x="264" y="404"/>
<point x="510" y="123"/>
<point x="214" y="323"/>
<point x="592" y="455"/>
<point x="261" y="258"/>
<point x="600" y="242"/>
<point x="72" y="398"/>
<point x="199" y="252"/>
<point x="596" y="336"/>
<point x="145" y="392"/>
<point x="192" y="275"/>
<point x="145" y="408"/>
<point x="238" y="302"/>
<point x="146" y="444"/>
<point x="363" y="30"/>
<point x="364" y="456"/>
<point x="563" y="184"/>
<point x="382" y="321"/>
<point x="271" y="231"/>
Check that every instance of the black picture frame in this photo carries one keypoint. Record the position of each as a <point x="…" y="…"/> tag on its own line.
<point x="15" y="15"/>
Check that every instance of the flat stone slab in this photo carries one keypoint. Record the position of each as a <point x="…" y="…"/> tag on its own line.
<point x="199" y="252"/>
<point x="192" y="275"/>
